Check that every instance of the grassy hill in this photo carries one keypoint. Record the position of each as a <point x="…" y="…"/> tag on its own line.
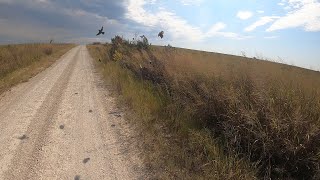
<point x="20" y="62"/>
<point x="207" y="115"/>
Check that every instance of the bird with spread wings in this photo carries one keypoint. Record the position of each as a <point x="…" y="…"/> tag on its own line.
<point x="100" y="31"/>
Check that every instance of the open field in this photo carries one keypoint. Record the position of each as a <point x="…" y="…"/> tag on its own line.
<point x="209" y="115"/>
<point x="20" y="62"/>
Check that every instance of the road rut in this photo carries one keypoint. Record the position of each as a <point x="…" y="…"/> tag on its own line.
<point x="62" y="125"/>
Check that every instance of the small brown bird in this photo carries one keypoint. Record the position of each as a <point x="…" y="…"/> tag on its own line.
<point x="161" y="34"/>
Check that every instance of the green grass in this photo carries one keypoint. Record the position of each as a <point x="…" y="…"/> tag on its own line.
<point x="20" y="62"/>
<point x="214" y="116"/>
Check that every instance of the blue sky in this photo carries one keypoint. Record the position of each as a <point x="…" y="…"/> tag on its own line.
<point x="274" y="29"/>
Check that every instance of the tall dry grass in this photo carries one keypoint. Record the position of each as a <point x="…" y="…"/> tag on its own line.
<point x="209" y="114"/>
<point x="20" y="62"/>
<point x="169" y="153"/>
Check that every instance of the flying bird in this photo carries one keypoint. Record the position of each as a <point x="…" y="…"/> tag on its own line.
<point x="161" y="34"/>
<point x="100" y="31"/>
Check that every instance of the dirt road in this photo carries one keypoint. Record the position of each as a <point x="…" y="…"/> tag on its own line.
<point x="62" y="124"/>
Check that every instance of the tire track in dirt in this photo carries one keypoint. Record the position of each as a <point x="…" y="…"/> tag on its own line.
<point x="59" y="126"/>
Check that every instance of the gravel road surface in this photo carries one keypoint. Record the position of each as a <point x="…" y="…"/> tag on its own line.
<point x="63" y="124"/>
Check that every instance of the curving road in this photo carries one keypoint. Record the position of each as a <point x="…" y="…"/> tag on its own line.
<point x="63" y="124"/>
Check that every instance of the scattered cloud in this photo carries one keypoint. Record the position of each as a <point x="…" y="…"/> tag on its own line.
<point x="303" y="13"/>
<point x="262" y="21"/>
<point x="187" y="23"/>
<point x="287" y="8"/>
<point x="174" y="25"/>
<point x="191" y="2"/>
<point x="244" y="15"/>
<point x="217" y="27"/>
<point x="271" y="37"/>
<point x="216" y="30"/>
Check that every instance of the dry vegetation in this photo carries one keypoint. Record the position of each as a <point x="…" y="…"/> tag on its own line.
<point x="20" y="62"/>
<point x="213" y="116"/>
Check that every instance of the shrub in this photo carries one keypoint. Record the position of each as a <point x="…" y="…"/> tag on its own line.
<point x="48" y="50"/>
<point x="144" y="44"/>
<point x="261" y="110"/>
<point x="117" y="40"/>
<point x="117" y="56"/>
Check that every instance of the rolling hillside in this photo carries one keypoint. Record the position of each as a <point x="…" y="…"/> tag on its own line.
<point x="217" y="116"/>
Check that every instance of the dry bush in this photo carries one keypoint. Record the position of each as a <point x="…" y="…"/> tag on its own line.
<point x="264" y="112"/>
<point x="277" y="128"/>
<point x="169" y="153"/>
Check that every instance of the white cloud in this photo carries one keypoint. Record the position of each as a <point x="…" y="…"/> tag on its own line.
<point x="244" y="15"/>
<point x="216" y="30"/>
<point x="191" y="2"/>
<point x="262" y="21"/>
<point x="287" y="8"/>
<point x="271" y="37"/>
<point x="174" y="25"/>
<point x="281" y="4"/>
<point x="217" y="27"/>
<point x="304" y="13"/>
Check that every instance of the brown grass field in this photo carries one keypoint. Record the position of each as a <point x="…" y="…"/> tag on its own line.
<point x="20" y="62"/>
<point x="207" y="115"/>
